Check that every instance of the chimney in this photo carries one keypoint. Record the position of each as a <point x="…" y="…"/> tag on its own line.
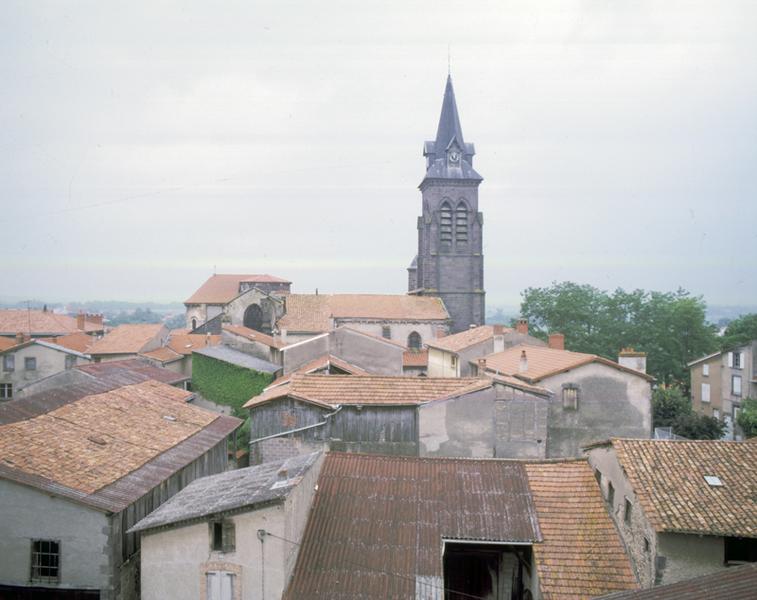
<point x="283" y="336"/>
<point x="498" y="329"/>
<point x="631" y="359"/>
<point x="20" y="338"/>
<point x="283" y="474"/>
<point x="481" y="366"/>
<point x="522" y="326"/>
<point x="523" y="366"/>
<point x="556" y="341"/>
<point x="94" y="319"/>
<point x="80" y="318"/>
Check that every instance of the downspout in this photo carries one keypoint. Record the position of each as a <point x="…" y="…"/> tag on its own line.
<point x="282" y="433"/>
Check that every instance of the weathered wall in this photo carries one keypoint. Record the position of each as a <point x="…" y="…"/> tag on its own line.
<point x="472" y="354"/>
<point x="373" y="355"/>
<point x="462" y="426"/>
<point x="440" y="363"/>
<point x="302" y="352"/>
<point x="400" y="330"/>
<point x="611" y="403"/>
<point x="520" y="423"/>
<point x="28" y="514"/>
<point x="49" y="362"/>
<point x="271" y="308"/>
<point x="251" y="347"/>
<point x="375" y="430"/>
<point x="688" y="556"/>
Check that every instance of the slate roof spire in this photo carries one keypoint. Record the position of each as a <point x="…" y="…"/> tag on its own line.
<point x="449" y="121"/>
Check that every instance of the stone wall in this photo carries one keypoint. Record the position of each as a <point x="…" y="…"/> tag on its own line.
<point x="520" y="423"/>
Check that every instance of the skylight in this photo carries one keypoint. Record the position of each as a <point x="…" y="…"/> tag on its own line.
<point x="713" y="481"/>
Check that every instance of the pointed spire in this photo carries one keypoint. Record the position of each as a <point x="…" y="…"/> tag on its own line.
<point x="449" y="121"/>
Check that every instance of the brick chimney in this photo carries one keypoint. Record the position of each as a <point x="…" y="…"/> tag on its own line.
<point x="523" y="366"/>
<point x="556" y="341"/>
<point x="631" y="359"/>
<point x="498" y="329"/>
<point x="80" y="319"/>
<point x="481" y="366"/>
<point x="94" y="319"/>
<point x="20" y="338"/>
<point x="522" y="326"/>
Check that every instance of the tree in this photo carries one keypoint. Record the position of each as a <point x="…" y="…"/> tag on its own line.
<point x="747" y="418"/>
<point x="740" y="331"/>
<point x="671" y="408"/>
<point x="669" y="326"/>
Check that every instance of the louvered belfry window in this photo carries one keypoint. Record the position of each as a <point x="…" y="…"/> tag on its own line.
<point x="461" y="224"/>
<point x="445" y="224"/>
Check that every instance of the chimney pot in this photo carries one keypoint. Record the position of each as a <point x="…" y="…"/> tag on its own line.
<point x="556" y="341"/>
<point x="523" y="366"/>
<point x="80" y="321"/>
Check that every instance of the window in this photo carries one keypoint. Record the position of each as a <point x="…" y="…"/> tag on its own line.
<point x="734" y="360"/>
<point x="30" y="363"/>
<point x="705" y="392"/>
<point x="6" y="391"/>
<point x="386" y="332"/>
<point x="445" y="224"/>
<point x="610" y="493"/>
<point x="70" y="361"/>
<point x="194" y="323"/>
<point x="570" y="397"/>
<point x="45" y="561"/>
<point x="646" y="544"/>
<point x="736" y="385"/>
<point x="414" y="341"/>
<point x="461" y="223"/>
<point x="9" y="363"/>
<point x="627" y="512"/>
<point x="453" y="361"/>
<point x="705" y="370"/>
<point x="219" y="585"/>
<point x="222" y="535"/>
<point x="740" y="550"/>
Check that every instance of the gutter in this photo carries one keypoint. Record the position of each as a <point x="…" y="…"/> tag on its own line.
<point x="313" y="426"/>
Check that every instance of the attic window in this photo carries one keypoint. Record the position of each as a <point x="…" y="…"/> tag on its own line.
<point x="169" y="417"/>
<point x="713" y="481"/>
<point x="570" y="396"/>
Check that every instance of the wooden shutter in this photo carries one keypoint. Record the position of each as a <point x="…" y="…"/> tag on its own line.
<point x="228" y="542"/>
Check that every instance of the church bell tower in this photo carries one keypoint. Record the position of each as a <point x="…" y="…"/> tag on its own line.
<point x="450" y="261"/>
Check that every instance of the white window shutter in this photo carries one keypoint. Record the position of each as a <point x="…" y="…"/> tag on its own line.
<point x="730" y="359"/>
<point x="705" y="392"/>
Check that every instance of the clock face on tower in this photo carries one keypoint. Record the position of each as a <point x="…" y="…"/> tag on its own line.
<point x="454" y="157"/>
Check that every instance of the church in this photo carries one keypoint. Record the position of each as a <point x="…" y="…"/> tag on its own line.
<point x="450" y="261"/>
<point x="446" y="278"/>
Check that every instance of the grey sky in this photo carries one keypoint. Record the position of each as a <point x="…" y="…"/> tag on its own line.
<point x="143" y="143"/>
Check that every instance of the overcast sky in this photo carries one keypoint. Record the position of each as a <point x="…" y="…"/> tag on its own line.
<point x="146" y="143"/>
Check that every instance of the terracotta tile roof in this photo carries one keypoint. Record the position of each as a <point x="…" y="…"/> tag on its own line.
<point x="163" y="354"/>
<point x="185" y="343"/>
<point x="7" y="342"/>
<point x="322" y="363"/>
<point x="668" y="479"/>
<point x="464" y="339"/>
<point x="90" y="443"/>
<point x="223" y="288"/>
<point x="126" y="339"/>
<point x="39" y="323"/>
<point x="415" y="359"/>
<point x="312" y="313"/>
<point x="377" y="523"/>
<point x="544" y="362"/>
<point x="130" y="370"/>
<point x="79" y="341"/>
<point x="255" y="336"/>
<point x="334" y="390"/>
<point x="581" y="555"/>
<point x="733" y="583"/>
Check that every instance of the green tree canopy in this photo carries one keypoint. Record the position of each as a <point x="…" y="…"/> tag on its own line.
<point x="669" y="326"/>
<point x="671" y="408"/>
<point x="747" y="418"/>
<point x="740" y="331"/>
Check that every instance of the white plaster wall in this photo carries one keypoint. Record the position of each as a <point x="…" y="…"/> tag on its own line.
<point x="49" y="362"/>
<point x="440" y="364"/>
<point x="27" y="514"/>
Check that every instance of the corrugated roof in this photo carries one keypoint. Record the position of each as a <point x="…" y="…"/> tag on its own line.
<point x="241" y="359"/>
<point x="229" y="491"/>
<point x="581" y="555"/>
<point x="88" y="445"/>
<point x="377" y="522"/>
<point x="667" y="477"/>
<point x="39" y="323"/>
<point x="312" y="313"/>
<point x="223" y="288"/>
<point x="733" y="583"/>
<point x="544" y="362"/>
<point x="334" y="390"/>
<point x="126" y="339"/>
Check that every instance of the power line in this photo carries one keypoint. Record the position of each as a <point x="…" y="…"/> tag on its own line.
<point x="390" y="573"/>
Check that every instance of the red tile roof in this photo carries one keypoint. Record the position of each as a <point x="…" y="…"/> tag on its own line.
<point x="313" y="313"/>
<point x="126" y="339"/>
<point x="544" y="362"/>
<point x="7" y="342"/>
<point x="411" y="358"/>
<point x="464" y="339"/>
<point x="255" y="336"/>
<point x="335" y="390"/>
<point x="40" y="323"/>
<point x="79" y="341"/>
<point x="322" y="363"/>
<point x="581" y="555"/>
<point x="163" y="354"/>
<point x="185" y="343"/>
<point x="223" y="288"/>
<point x="668" y="479"/>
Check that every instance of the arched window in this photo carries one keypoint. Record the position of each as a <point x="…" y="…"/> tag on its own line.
<point x="461" y="223"/>
<point x="194" y="323"/>
<point x="414" y="341"/>
<point x="445" y="224"/>
<point x="253" y="317"/>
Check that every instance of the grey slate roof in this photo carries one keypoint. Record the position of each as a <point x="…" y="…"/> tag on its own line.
<point x="241" y="359"/>
<point x="230" y="491"/>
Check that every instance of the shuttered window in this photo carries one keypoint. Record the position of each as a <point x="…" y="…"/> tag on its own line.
<point x="445" y="224"/>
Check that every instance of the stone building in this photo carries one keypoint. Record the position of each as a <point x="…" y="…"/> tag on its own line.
<point x="229" y="536"/>
<point x="720" y="381"/>
<point x="46" y="323"/>
<point x="683" y="508"/>
<point x="80" y="466"/>
<point x="450" y="260"/>
<point x="129" y="341"/>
